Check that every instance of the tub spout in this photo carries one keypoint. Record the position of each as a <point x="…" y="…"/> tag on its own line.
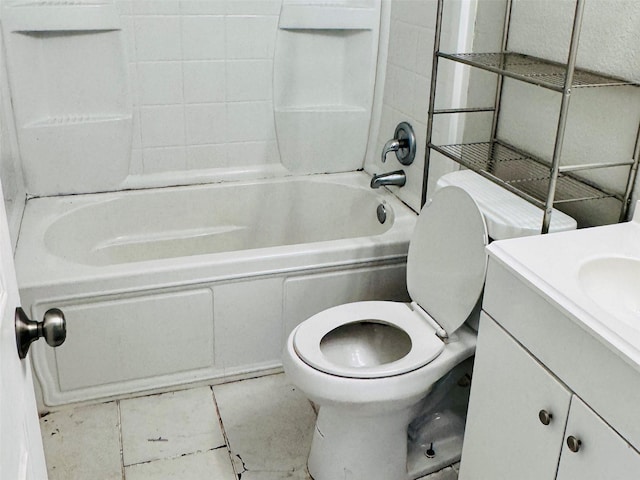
<point x="397" y="178"/>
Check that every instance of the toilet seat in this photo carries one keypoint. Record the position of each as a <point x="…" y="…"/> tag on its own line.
<point x="425" y="344"/>
<point x="446" y="268"/>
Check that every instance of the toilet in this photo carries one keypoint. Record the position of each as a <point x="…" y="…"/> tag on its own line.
<point x="368" y="365"/>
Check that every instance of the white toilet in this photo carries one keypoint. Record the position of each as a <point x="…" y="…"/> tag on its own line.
<point x="368" y="365"/>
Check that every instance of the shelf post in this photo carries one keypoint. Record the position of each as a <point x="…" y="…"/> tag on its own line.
<point x="562" y="118"/>
<point x="499" y="81"/>
<point x="631" y="180"/>
<point x="432" y="101"/>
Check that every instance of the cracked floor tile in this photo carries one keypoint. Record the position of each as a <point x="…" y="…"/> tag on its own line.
<point x="169" y="425"/>
<point x="210" y="465"/>
<point x="269" y="425"/>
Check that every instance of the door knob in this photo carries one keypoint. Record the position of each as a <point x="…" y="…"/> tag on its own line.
<point x="53" y="328"/>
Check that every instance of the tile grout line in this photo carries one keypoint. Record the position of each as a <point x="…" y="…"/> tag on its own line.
<point x="120" y="440"/>
<point x="224" y="434"/>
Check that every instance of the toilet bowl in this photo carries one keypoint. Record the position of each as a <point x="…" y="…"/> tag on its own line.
<point x="368" y="365"/>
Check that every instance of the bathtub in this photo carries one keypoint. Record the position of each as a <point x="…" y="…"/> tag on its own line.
<point x="199" y="284"/>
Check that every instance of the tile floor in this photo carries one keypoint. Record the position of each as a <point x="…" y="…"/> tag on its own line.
<point x="257" y="429"/>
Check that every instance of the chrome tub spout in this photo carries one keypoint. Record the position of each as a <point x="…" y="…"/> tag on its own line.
<point x="397" y="178"/>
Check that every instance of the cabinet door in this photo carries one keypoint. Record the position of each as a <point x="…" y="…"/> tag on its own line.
<point x="602" y="453"/>
<point x="504" y="437"/>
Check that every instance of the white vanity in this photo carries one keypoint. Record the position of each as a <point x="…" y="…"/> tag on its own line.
<point x="556" y="383"/>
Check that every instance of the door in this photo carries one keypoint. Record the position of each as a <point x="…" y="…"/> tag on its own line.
<point x="21" y="453"/>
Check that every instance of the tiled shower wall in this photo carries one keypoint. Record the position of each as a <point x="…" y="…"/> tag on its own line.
<point x="406" y="88"/>
<point x="406" y="92"/>
<point x="201" y="79"/>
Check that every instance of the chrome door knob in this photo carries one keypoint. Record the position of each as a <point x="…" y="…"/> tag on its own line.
<point x="53" y="328"/>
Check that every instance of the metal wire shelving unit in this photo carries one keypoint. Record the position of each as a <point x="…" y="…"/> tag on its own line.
<point x="540" y="182"/>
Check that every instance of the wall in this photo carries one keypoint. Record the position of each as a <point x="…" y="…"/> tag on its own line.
<point x="406" y="84"/>
<point x="602" y="122"/>
<point x="201" y="75"/>
<point x="10" y="171"/>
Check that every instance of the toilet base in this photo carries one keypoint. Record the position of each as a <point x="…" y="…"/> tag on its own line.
<point x="350" y="446"/>
<point x="446" y="448"/>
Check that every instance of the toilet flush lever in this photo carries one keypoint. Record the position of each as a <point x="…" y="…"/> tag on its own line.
<point x="53" y="328"/>
<point x="403" y="143"/>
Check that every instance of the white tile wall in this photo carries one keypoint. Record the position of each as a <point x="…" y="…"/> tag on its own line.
<point x="201" y="72"/>
<point x="406" y="89"/>
<point x="204" y="81"/>
<point x="406" y="93"/>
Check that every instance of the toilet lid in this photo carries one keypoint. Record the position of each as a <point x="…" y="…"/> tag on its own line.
<point x="367" y="340"/>
<point x="447" y="263"/>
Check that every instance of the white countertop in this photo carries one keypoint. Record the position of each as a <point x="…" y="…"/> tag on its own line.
<point x="552" y="263"/>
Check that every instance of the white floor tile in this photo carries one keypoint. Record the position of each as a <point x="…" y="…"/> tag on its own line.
<point x="83" y="443"/>
<point x="169" y="425"/>
<point x="269" y="425"/>
<point x="210" y="465"/>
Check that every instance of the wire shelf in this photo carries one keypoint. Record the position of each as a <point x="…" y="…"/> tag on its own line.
<point x="520" y="173"/>
<point x="534" y="70"/>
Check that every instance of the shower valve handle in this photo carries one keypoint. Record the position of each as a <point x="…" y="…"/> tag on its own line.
<point x="53" y="328"/>
<point x="403" y="143"/>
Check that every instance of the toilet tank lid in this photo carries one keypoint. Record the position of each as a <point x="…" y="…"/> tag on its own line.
<point x="506" y="214"/>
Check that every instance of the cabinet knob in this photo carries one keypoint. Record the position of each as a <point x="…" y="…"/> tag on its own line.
<point x="573" y="443"/>
<point x="545" y="417"/>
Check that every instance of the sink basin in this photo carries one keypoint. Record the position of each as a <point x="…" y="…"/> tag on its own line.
<point x="613" y="283"/>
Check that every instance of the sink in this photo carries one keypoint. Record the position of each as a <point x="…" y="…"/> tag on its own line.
<point x="613" y="283"/>
<point x="592" y="275"/>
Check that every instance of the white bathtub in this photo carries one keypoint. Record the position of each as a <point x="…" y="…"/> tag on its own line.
<point x="174" y="286"/>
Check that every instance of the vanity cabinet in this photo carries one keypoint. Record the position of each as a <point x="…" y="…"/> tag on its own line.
<point x="525" y="423"/>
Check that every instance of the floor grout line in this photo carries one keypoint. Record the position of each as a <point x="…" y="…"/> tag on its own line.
<point x="120" y="440"/>
<point x="224" y="435"/>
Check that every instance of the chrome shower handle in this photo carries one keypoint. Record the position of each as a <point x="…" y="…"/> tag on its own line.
<point x="403" y="143"/>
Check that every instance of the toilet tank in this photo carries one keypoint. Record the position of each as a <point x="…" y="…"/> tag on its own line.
<point x="506" y="214"/>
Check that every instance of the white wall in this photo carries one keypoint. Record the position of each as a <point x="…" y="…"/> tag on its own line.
<point x="10" y="171"/>
<point x="201" y="75"/>
<point x="405" y="86"/>
<point x="602" y="122"/>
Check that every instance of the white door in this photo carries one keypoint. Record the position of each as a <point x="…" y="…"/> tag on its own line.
<point x="21" y="453"/>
